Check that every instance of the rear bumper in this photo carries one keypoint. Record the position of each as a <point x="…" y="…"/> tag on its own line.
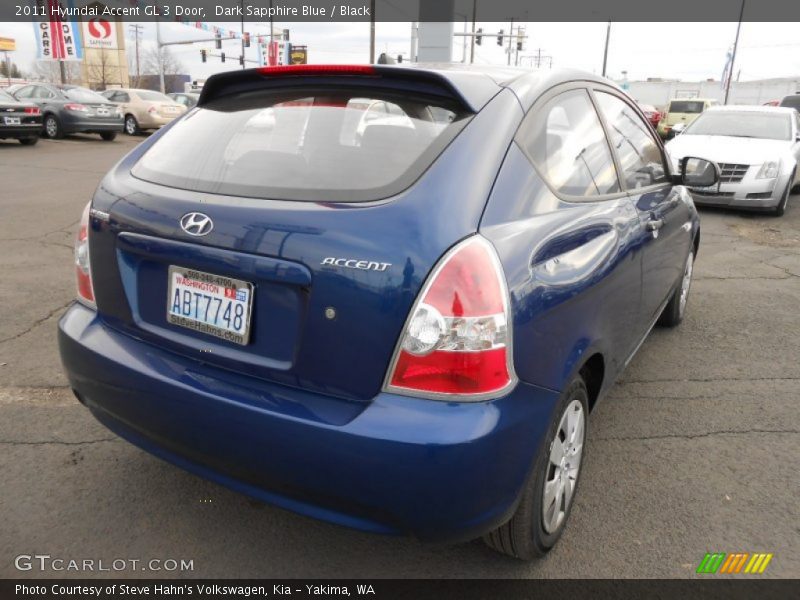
<point x="78" y="124"/>
<point x="439" y="471"/>
<point x="20" y="131"/>
<point x="149" y="121"/>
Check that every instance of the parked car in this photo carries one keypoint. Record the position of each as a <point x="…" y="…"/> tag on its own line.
<point x="652" y="113"/>
<point x="400" y="333"/>
<point x="18" y="120"/>
<point x="144" y="109"/>
<point x="187" y="99"/>
<point x="792" y="101"/>
<point x="757" y="149"/>
<point x="72" y="109"/>
<point x="682" y="111"/>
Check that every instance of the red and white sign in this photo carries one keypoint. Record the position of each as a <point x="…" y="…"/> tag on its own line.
<point x="56" y="39"/>
<point x="100" y="33"/>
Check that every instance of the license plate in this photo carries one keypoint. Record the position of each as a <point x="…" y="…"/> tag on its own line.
<point x="11" y="120"/>
<point x="211" y="304"/>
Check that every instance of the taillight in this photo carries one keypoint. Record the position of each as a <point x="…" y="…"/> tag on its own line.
<point x="76" y="107"/>
<point x="83" y="270"/>
<point x="32" y="110"/>
<point x="457" y="340"/>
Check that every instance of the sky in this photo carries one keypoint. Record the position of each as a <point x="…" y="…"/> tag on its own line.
<point x="686" y="51"/>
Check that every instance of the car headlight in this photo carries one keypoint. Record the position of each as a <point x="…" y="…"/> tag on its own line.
<point x="769" y="170"/>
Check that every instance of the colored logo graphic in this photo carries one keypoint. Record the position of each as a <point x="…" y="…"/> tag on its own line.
<point x="738" y="562"/>
<point x="99" y="28"/>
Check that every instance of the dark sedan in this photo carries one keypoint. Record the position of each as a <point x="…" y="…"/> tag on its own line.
<point x="72" y="109"/>
<point x="19" y="120"/>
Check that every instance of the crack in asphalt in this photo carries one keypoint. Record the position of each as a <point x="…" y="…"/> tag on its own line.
<point x="68" y="229"/>
<point x="56" y="442"/>
<point x="36" y="323"/>
<point x="692" y="436"/>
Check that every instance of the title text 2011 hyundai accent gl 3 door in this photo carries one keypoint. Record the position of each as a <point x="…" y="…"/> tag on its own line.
<point x="396" y="324"/>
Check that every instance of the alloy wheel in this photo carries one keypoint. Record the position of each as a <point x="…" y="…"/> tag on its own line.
<point x="686" y="282"/>
<point x="563" y="467"/>
<point x="51" y="127"/>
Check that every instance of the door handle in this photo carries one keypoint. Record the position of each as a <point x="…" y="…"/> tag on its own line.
<point x="654" y="224"/>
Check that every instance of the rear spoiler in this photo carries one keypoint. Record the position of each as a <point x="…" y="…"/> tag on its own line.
<point x="469" y="90"/>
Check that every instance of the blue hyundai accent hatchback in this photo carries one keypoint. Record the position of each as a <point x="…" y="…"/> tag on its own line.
<point x="386" y="297"/>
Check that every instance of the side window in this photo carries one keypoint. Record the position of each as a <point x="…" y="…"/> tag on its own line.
<point x="41" y="93"/>
<point x="639" y="156"/>
<point x="565" y="141"/>
<point x="25" y="92"/>
<point x="122" y="97"/>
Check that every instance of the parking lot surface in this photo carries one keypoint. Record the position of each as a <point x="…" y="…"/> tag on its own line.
<point x="695" y="450"/>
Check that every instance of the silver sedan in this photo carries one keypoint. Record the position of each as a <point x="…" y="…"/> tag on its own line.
<point x="757" y="149"/>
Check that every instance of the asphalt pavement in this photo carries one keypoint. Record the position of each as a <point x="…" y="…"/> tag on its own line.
<point x="695" y="450"/>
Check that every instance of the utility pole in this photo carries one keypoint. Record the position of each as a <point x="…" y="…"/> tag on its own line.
<point x="137" y="32"/>
<point x="241" y="6"/>
<point x="63" y="70"/>
<point x="510" y="41"/>
<point x="372" y="32"/>
<point x="733" y="56"/>
<point x="472" y="42"/>
<point x="605" y="53"/>
<point x="160" y="49"/>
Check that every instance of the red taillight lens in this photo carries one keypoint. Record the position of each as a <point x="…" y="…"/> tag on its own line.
<point x="83" y="271"/>
<point x="457" y="339"/>
<point x="76" y="107"/>
<point x="32" y="110"/>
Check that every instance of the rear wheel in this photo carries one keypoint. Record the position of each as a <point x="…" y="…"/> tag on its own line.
<point x="29" y="141"/>
<point x="676" y="307"/>
<point x="108" y="136"/>
<point x="547" y="500"/>
<point x="52" y="127"/>
<point x="131" y="125"/>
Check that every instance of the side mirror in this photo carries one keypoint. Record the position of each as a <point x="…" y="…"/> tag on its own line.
<point x="698" y="172"/>
<point x="678" y="128"/>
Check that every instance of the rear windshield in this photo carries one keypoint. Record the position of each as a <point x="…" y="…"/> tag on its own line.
<point x="153" y="97"/>
<point x="338" y="147"/>
<point x="79" y="94"/>
<point x="791" y="102"/>
<point x="686" y="106"/>
<point x="745" y="124"/>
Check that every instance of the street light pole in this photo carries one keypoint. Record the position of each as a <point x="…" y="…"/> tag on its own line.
<point x="472" y="41"/>
<point x="733" y="56"/>
<point x="605" y="52"/>
<point x="160" y="49"/>
<point x="372" y="32"/>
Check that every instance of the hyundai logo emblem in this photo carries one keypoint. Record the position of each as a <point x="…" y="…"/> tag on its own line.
<point x="197" y="224"/>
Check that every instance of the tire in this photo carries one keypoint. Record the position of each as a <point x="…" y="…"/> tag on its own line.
<point x="675" y="309"/>
<point x="52" y="127"/>
<point x="108" y="136"/>
<point x="29" y="141"/>
<point x="780" y="209"/>
<point x="131" y="125"/>
<point x="533" y="531"/>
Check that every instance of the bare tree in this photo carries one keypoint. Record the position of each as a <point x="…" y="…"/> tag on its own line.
<point x="134" y="80"/>
<point x="100" y="72"/>
<point x="50" y="72"/>
<point x="153" y="57"/>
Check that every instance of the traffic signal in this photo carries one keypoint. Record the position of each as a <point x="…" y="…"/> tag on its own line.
<point x="203" y="55"/>
<point x="519" y="45"/>
<point x="500" y="38"/>
<point x="222" y="56"/>
<point x="399" y="58"/>
<point x="218" y="42"/>
<point x="246" y="39"/>
<point x="479" y="37"/>
<point x="241" y="60"/>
